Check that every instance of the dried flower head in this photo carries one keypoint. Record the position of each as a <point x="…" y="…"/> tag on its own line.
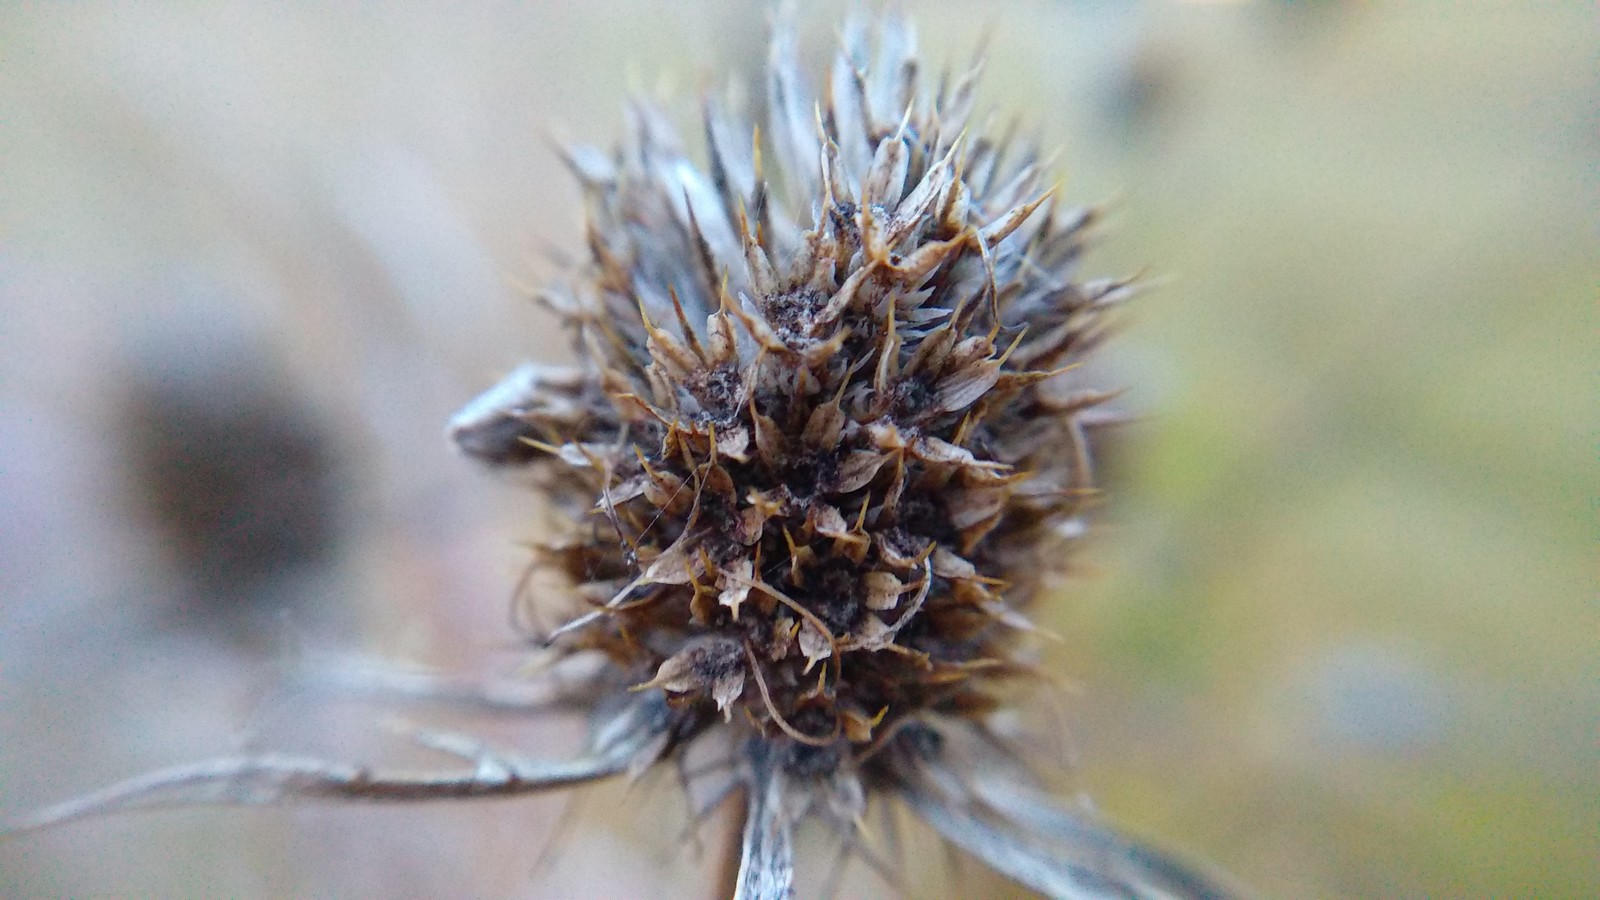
<point x="818" y="454"/>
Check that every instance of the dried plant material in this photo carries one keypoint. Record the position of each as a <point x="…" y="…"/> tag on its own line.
<point x="1051" y="850"/>
<point x="766" y="860"/>
<point x="817" y="461"/>
<point x="273" y="778"/>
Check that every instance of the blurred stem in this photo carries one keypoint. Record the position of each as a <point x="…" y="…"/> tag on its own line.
<point x="737" y="809"/>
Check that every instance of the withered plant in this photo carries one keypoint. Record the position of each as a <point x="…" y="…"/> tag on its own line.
<point x="823" y="447"/>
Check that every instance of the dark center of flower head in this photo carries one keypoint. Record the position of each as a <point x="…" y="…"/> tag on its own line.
<point x="815" y="451"/>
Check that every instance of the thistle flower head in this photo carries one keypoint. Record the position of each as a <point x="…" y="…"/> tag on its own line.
<point x="819" y="452"/>
<point x="815" y="454"/>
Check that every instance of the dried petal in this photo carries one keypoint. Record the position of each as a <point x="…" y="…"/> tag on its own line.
<point x="883" y="590"/>
<point x="735" y="582"/>
<point x="814" y="645"/>
<point x="858" y="468"/>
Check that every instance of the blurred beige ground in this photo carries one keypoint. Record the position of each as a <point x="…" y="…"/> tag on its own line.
<point x="1338" y="633"/>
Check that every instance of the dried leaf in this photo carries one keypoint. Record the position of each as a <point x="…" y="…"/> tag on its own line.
<point x="495" y="428"/>
<point x="824" y="427"/>
<point x="1057" y="853"/>
<point x="970" y="506"/>
<point x="887" y="178"/>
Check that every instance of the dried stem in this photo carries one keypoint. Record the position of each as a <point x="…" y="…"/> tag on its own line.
<point x="731" y="853"/>
<point x="273" y="778"/>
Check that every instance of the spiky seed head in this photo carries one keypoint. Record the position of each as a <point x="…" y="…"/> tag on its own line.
<point x="819" y="450"/>
<point x="818" y="455"/>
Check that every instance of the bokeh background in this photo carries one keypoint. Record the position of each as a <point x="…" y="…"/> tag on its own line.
<point x="1338" y="632"/>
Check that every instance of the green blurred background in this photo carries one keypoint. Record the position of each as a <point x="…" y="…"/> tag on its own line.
<point x="1338" y="630"/>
